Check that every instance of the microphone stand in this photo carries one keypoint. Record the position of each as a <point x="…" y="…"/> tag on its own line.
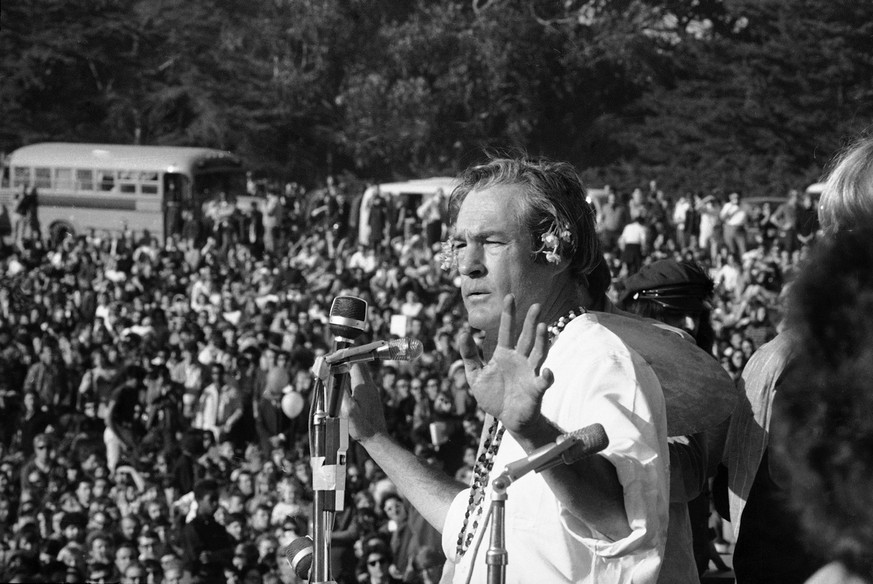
<point x="328" y="476"/>
<point x="497" y="556"/>
<point x="328" y="433"/>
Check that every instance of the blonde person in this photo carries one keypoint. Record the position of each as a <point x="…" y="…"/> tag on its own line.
<point x="768" y="536"/>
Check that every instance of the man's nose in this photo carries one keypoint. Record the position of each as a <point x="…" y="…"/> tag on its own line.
<point x="470" y="262"/>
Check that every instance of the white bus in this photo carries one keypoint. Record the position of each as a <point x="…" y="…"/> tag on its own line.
<point x="105" y="186"/>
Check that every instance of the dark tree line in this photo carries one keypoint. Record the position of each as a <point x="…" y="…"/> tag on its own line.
<point x="751" y="94"/>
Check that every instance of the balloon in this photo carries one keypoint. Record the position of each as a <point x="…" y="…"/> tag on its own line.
<point x="292" y="404"/>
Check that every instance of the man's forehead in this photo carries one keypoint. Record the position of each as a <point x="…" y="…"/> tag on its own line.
<point x="488" y="212"/>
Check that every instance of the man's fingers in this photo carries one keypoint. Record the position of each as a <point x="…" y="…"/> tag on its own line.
<point x="359" y="377"/>
<point x="541" y="347"/>
<point x="469" y="351"/>
<point x="544" y="381"/>
<point x="507" y="319"/>
<point x="528" y="330"/>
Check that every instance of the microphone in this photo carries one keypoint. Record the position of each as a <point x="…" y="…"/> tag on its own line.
<point x="567" y="449"/>
<point x="405" y="349"/>
<point x="299" y="555"/>
<point x="347" y="318"/>
<point x="347" y="321"/>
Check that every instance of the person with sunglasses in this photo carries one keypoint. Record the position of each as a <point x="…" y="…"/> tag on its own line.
<point x="378" y="561"/>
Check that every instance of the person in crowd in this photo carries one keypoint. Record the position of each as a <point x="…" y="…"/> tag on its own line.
<point x="524" y="240"/>
<point x="785" y="218"/>
<point x="633" y="243"/>
<point x="768" y="544"/>
<point x="710" y="224"/>
<point x="820" y="428"/>
<point x="206" y="544"/>
<point x="379" y="219"/>
<point x="42" y="465"/>
<point x="230" y="409"/>
<point x="613" y="217"/>
<point x="125" y="556"/>
<point x="679" y="294"/>
<point x="734" y="218"/>
<point x="164" y="423"/>
<point x="99" y="381"/>
<point x="432" y="213"/>
<point x="377" y="562"/>
<point x="124" y="428"/>
<point x="32" y="423"/>
<point x="807" y="221"/>
<point x="49" y="378"/>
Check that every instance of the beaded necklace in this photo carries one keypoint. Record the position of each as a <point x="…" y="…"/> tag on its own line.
<point x="485" y="460"/>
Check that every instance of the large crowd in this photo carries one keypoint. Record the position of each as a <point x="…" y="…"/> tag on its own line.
<point x="155" y="396"/>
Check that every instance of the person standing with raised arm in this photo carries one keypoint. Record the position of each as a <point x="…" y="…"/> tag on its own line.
<point x="524" y="241"/>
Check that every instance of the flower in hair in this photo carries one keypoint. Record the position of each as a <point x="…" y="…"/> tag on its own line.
<point x="552" y="239"/>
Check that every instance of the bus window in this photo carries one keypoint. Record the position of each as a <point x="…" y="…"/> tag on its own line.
<point x="22" y="176"/>
<point x="85" y="179"/>
<point x="42" y="177"/>
<point x="107" y="179"/>
<point x="127" y="181"/>
<point x="149" y="182"/>
<point x="63" y="178"/>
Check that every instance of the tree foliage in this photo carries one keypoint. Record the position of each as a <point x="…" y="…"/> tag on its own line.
<point x="699" y="94"/>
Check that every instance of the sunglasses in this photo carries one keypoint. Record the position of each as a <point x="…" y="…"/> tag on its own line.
<point x="377" y="562"/>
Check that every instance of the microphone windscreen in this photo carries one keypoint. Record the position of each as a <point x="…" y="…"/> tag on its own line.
<point x="299" y="555"/>
<point x="589" y="440"/>
<point x="405" y="349"/>
<point x="348" y="317"/>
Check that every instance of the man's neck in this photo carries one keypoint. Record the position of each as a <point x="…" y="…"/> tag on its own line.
<point x="570" y="298"/>
<point x="550" y="311"/>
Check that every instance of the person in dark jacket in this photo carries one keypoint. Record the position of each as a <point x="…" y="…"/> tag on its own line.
<point x="206" y="544"/>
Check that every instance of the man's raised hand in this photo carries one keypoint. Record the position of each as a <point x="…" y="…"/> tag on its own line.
<point x="511" y="386"/>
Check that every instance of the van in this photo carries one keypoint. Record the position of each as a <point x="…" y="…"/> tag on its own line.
<point x="815" y="190"/>
<point x="406" y="197"/>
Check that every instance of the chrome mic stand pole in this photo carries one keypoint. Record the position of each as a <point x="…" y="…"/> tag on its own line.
<point x="497" y="556"/>
<point x="323" y="514"/>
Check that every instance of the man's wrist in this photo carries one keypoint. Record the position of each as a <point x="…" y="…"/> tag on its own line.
<point x="536" y="433"/>
<point x="372" y="439"/>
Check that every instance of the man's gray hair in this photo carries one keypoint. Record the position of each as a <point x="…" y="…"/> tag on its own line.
<point x="555" y="201"/>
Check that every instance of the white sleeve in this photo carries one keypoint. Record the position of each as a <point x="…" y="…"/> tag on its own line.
<point x="607" y="383"/>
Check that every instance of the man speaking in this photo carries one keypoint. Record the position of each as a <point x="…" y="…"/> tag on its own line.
<point x="524" y="242"/>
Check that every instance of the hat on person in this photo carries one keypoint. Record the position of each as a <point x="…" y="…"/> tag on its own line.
<point x="679" y="286"/>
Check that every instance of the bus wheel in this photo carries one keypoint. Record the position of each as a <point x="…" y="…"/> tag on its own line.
<point x="59" y="231"/>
